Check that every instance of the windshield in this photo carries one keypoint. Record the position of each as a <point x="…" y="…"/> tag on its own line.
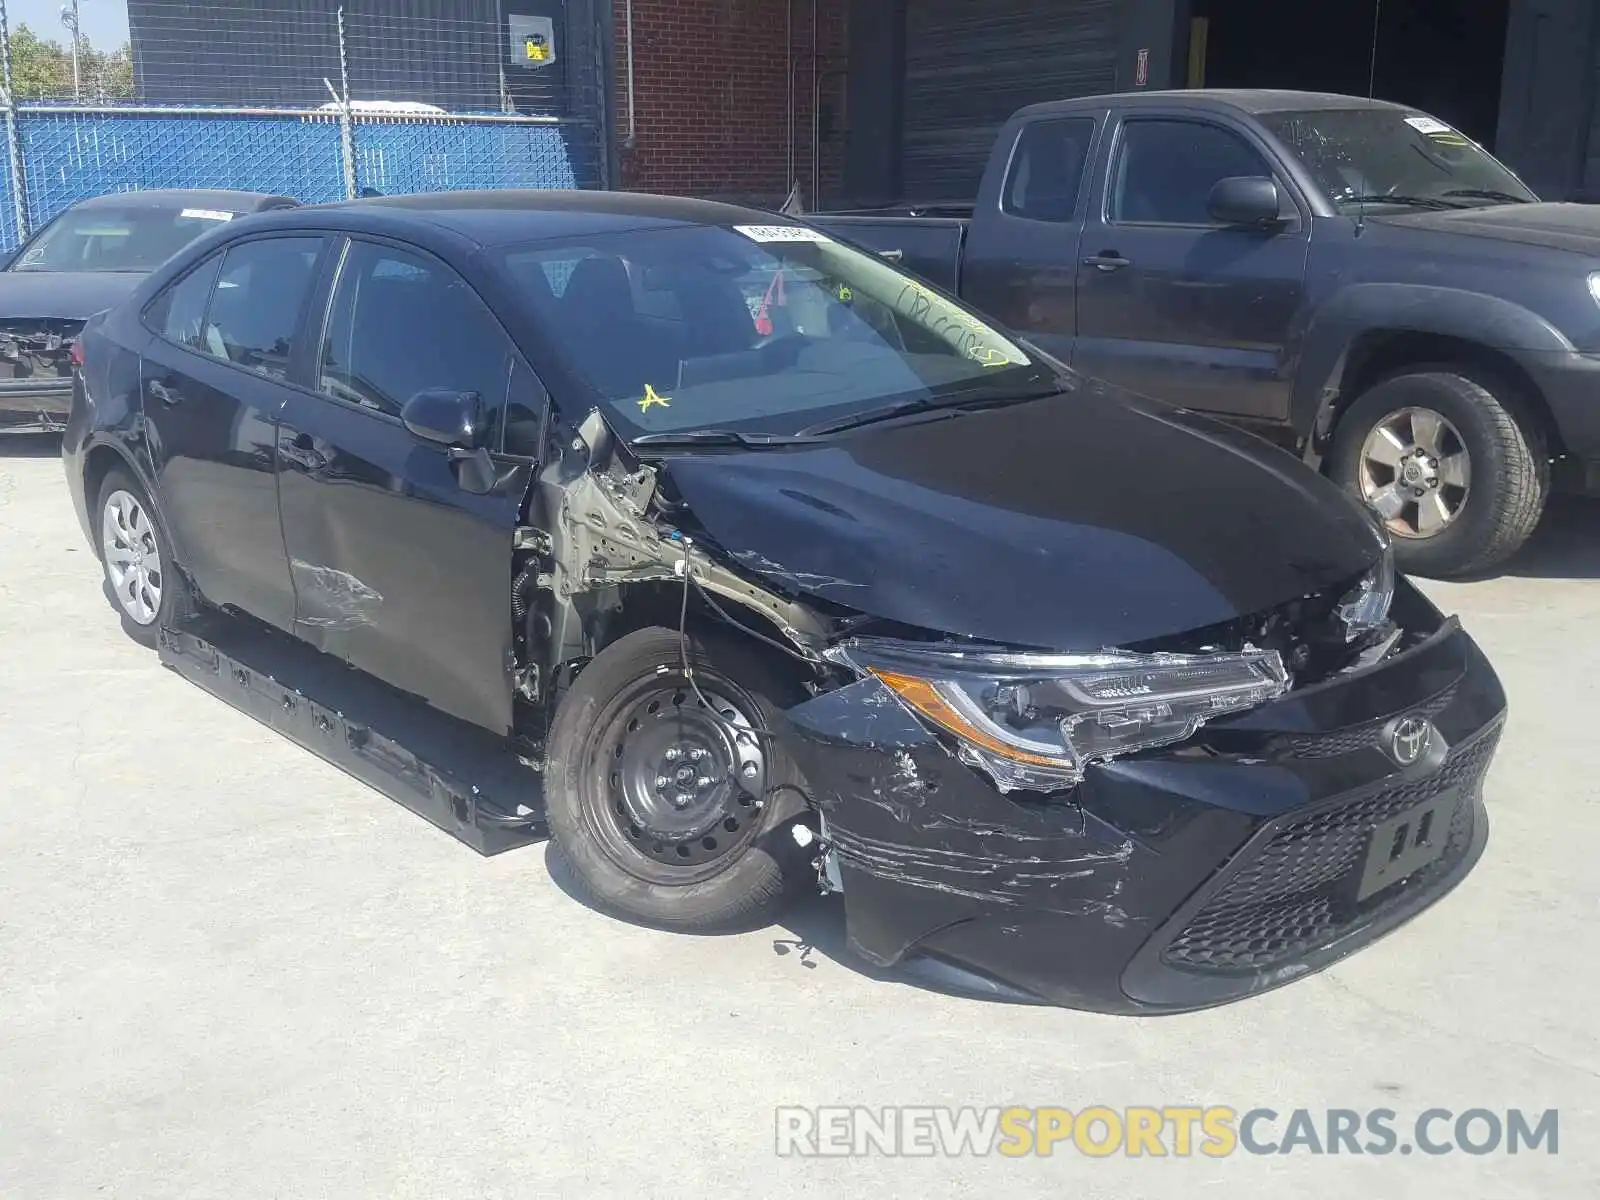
<point x="756" y="327"/>
<point x="116" y="239"/>
<point x="1360" y="155"/>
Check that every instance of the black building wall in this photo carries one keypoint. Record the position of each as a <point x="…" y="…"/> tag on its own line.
<point x="455" y="54"/>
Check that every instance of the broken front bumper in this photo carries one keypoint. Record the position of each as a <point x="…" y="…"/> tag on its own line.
<point x="1169" y="880"/>
<point x="35" y="405"/>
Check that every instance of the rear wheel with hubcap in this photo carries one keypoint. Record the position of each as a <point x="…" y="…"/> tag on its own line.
<point x="1450" y="463"/>
<point x="671" y="806"/>
<point x="144" y="584"/>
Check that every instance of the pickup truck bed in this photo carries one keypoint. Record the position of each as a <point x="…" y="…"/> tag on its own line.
<point x="927" y="241"/>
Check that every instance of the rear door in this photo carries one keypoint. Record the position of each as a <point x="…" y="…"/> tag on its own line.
<point x="398" y="569"/>
<point x="213" y="381"/>
<point x="1174" y="304"/>
<point x="1021" y="257"/>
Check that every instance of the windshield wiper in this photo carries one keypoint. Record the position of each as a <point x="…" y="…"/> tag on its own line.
<point x="1489" y="194"/>
<point x="674" y="438"/>
<point x="1429" y="202"/>
<point x="951" y="406"/>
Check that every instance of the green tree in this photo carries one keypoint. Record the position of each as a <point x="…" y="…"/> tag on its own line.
<point x="42" y="69"/>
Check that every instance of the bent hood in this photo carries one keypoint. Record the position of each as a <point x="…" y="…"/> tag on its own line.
<point x="1556" y="226"/>
<point x="62" y="295"/>
<point x="1088" y="520"/>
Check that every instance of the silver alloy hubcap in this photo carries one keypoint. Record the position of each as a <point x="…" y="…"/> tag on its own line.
<point x="1415" y="472"/>
<point x="133" y="564"/>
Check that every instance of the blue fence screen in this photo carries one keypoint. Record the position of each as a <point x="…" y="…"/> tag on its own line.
<point x="67" y="156"/>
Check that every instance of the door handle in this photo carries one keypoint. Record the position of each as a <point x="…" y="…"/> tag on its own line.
<point x="892" y="255"/>
<point x="163" y="393"/>
<point x="1107" y="260"/>
<point x="302" y="452"/>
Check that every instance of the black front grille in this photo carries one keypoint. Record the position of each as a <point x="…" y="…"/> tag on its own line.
<point x="1297" y="890"/>
<point x="1351" y="738"/>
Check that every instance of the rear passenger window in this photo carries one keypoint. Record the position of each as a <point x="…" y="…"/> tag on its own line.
<point x="255" y="308"/>
<point x="1047" y="169"/>
<point x="401" y="324"/>
<point x="180" y="313"/>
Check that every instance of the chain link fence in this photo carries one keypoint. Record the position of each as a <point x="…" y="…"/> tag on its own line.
<point x="308" y="99"/>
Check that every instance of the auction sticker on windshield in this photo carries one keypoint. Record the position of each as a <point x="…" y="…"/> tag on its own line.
<point x="207" y="214"/>
<point x="782" y="233"/>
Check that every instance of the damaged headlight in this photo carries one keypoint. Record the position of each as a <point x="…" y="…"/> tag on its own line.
<point x="1034" y="720"/>
<point x="1365" y="608"/>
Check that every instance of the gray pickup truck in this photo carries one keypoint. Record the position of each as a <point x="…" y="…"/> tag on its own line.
<point x="1354" y="279"/>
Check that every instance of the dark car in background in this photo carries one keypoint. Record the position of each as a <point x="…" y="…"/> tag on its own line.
<point x="1354" y="279"/>
<point x="1074" y="696"/>
<point x="85" y="259"/>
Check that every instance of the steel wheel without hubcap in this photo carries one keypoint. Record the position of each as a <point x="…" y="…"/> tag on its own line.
<point x="684" y="785"/>
<point x="133" y="564"/>
<point x="1415" y="471"/>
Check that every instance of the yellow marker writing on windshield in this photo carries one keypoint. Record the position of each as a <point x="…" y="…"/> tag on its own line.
<point x="651" y="398"/>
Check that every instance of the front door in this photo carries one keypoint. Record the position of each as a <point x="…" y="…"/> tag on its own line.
<point x="399" y="569"/>
<point x="1170" y="302"/>
<point x="214" y="380"/>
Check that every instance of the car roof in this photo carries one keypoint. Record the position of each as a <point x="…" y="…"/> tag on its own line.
<point x="1247" y="100"/>
<point x="500" y="217"/>
<point x="227" y="199"/>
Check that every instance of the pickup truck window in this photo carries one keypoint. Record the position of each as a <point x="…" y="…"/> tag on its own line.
<point x="1047" y="169"/>
<point x="772" y="327"/>
<point x="1359" y="156"/>
<point x="1165" y="170"/>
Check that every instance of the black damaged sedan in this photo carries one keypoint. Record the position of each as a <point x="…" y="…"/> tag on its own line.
<point x="790" y="572"/>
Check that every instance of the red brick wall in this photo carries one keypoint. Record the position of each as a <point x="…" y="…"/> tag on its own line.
<point x="711" y="103"/>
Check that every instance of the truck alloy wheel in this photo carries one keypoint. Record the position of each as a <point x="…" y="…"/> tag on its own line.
<point x="1415" y="471"/>
<point x="1451" y="461"/>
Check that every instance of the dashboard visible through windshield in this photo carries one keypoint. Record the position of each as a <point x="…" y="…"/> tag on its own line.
<point x="1365" y="156"/>
<point x="766" y="327"/>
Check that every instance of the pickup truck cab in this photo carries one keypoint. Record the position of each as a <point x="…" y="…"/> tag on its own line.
<point x="1354" y="279"/>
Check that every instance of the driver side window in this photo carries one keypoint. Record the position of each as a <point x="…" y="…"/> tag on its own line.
<point x="1166" y="169"/>
<point x="401" y="323"/>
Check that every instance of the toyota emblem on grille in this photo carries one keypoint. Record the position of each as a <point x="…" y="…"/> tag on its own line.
<point x="1409" y="740"/>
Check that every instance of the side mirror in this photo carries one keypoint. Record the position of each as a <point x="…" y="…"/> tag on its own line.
<point x="1245" y="200"/>
<point x="454" y="419"/>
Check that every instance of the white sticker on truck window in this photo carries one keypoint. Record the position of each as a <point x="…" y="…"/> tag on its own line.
<point x="207" y="214"/>
<point x="781" y="233"/>
<point x="1428" y="125"/>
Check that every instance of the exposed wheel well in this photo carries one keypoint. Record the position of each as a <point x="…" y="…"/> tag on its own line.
<point x="1381" y="353"/>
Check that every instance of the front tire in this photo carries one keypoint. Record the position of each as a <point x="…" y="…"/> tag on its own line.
<point x="141" y="577"/>
<point x="663" y="813"/>
<point x="1453" y="466"/>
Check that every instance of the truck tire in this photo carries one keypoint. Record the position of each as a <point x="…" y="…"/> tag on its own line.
<point x="141" y="577"/>
<point x="1450" y="462"/>
<point x="663" y="813"/>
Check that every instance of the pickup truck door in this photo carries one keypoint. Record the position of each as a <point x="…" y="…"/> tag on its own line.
<point x="400" y="569"/>
<point x="1173" y="304"/>
<point x="1020" y="263"/>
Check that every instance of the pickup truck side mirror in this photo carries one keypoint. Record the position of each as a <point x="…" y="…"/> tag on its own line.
<point x="453" y="419"/>
<point x="1252" y="200"/>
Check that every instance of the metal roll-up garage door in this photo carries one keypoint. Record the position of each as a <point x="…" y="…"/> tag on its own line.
<point x="971" y="63"/>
